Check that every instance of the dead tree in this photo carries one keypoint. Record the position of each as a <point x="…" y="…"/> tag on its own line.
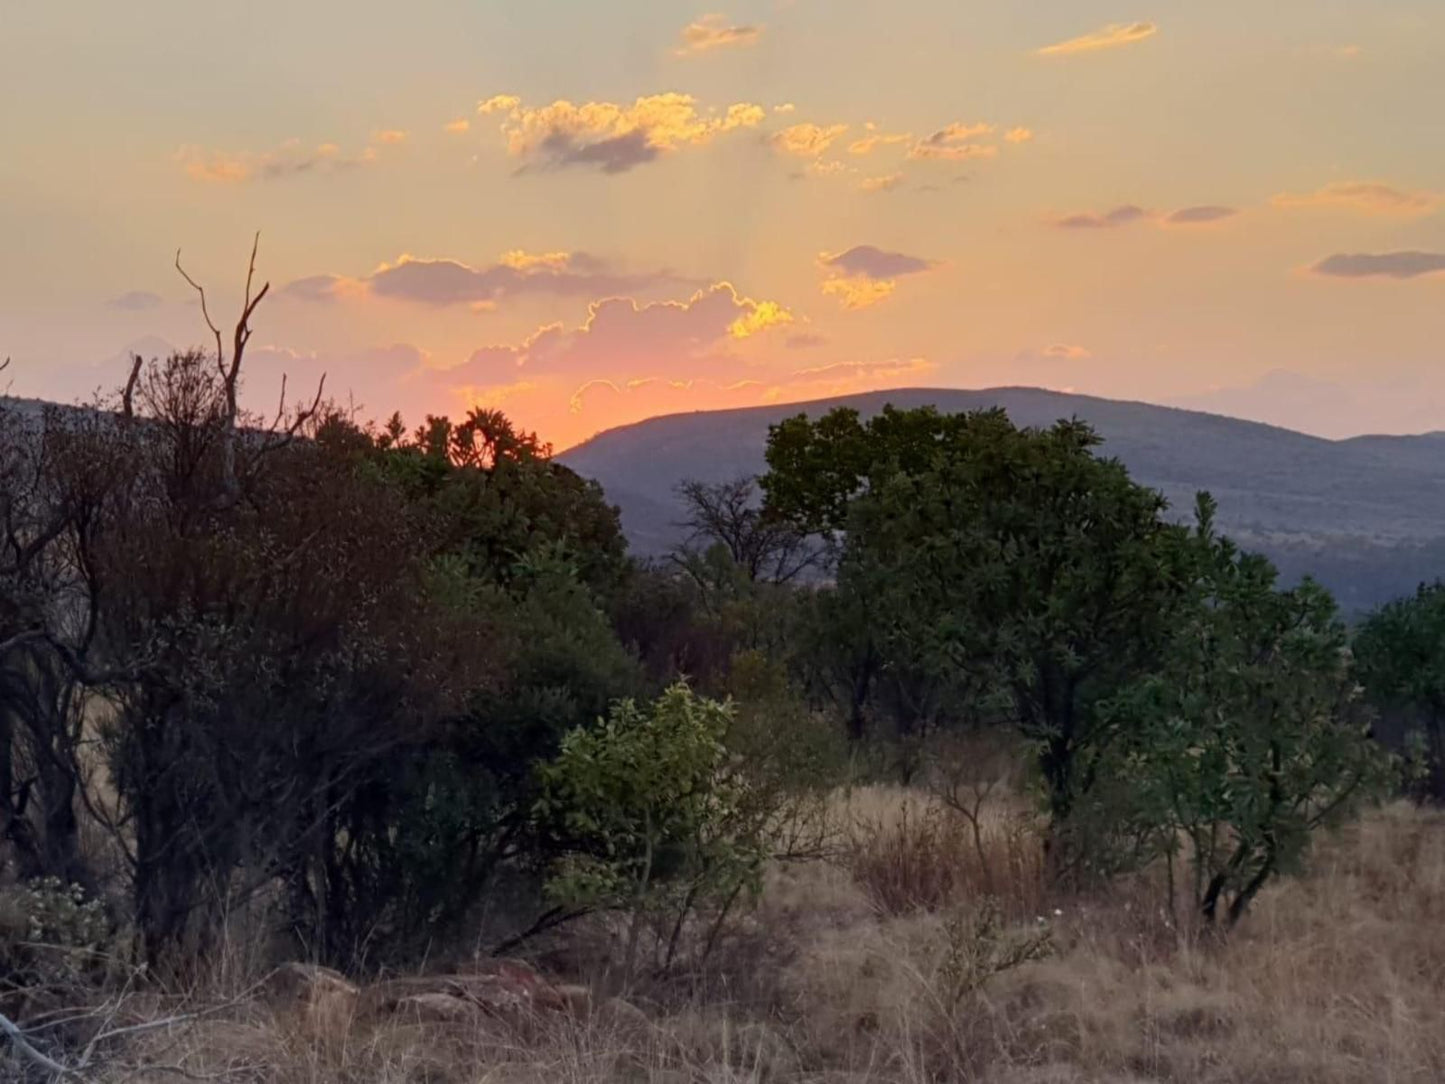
<point x="230" y="373"/>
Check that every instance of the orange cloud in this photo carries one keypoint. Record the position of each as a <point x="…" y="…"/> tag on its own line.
<point x="857" y="292"/>
<point x="621" y="335"/>
<point x="760" y="316"/>
<point x="1369" y="197"/>
<point x="290" y="159"/>
<point x="886" y="183"/>
<point x="807" y="140"/>
<point x="1018" y="135"/>
<point x="869" y="143"/>
<point x="954" y="143"/>
<point x="1066" y="352"/>
<point x="1109" y="37"/>
<point x="389" y="135"/>
<point x="458" y="126"/>
<point x="714" y="32"/>
<point x="610" y="136"/>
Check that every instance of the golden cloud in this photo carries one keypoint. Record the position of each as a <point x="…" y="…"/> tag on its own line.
<point x="1018" y="135"/>
<point x="458" y="126"/>
<point x="1370" y="197"/>
<point x="1109" y="37"/>
<point x="759" y="316"/>
<point x="886" y="183"/>
<point x="955" y="153"/>
<point x="714" y="32"/>
<point x="954" y="143"/>
<point x="858" y="292"/>
<point x="389" y="135"/>
<point x="807" y="140"/>
<point x="612" y="136"/>
<point x="290" y="159"/>
<point x="875" y="139"/>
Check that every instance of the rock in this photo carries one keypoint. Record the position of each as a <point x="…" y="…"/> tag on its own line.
<point x="577" y="1000"/>
<point x="438" y="1009"/>
<point x="323" y="1000"/>
<point x="621" y="1018"/>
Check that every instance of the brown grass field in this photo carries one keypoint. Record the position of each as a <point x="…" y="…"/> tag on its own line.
<point x="877" y="968"/>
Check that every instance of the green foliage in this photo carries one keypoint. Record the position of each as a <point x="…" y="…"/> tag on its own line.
<point x="50" y="933"/>
<point x="990" y="572"/>
<point x="1247" y="738"/>
<point x="1401" y="654"/>
<point x="650" y="813"/>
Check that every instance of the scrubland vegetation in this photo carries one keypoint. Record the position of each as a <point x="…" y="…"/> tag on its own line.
<point x="345" y="752"/>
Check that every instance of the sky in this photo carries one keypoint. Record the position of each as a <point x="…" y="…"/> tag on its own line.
<point x="586" y="214"/>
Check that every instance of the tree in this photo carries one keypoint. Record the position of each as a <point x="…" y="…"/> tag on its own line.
<point x="1005" y="574"/>
<point x="1249" y="736"/>
<point x="1401" y="653"/>
<point x="651" y="818"/>
<point x="765" y="546"/>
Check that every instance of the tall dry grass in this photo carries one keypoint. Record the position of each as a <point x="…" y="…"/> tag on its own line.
<point x="1337" y="977"/>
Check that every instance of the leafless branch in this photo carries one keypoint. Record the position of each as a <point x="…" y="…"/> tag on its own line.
<point x="205" y="312"/>
<point x="17" y="1038"/>
<point x="128" y="399"/>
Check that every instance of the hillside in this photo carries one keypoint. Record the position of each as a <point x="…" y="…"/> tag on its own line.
<point x="1366" y="516"/>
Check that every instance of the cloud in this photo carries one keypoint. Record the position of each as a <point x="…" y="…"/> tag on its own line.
<point x="444" y="282"/>
<point x="1395" y="265"/>
<point x="1370" y="197"/>
<point x="866" y="275"/>
<point x="1109" y="37"/>
<point x="1018" y="135"/>
<point x="137" y="301"/>
<point x="1120" y="216"/>
<point x="450" y="282"/>
<point x="458" y="126"/>
<point x="608" y="136"/>
<point x="807" y="140"/>
<point x="621" y="336"/>
<point x="316" y="288"/>
<point x="290" y="159"/>
<point x="1191" y="216"/>
<point x="714" y="32"/>
<point x="1057" y="352"/>
<point x="858" y="291"/>
<point x="954" y="143"/>
<point x="843" y="376"/>
<point x="886" y="183"/>
<point x="804" y="340"/>
<point x="389" y="135"/>
<point x="872" y="262"/>
<point x="785" y="107"/>
<point x="875" y="139"/>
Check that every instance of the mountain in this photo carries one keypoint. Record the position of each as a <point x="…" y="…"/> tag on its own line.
<point x="1365" y="516"/>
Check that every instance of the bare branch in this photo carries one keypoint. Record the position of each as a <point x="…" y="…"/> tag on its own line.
<point x="280" y="406"/>
<point x="17" y="1037"/>
<point x="128" y="400"/>
<point x="205" y="312"/>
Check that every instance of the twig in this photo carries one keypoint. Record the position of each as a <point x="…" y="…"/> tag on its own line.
<point x="128" y="399"/>
<point x="205" y="312"/>
<point x="17" y="1037"/>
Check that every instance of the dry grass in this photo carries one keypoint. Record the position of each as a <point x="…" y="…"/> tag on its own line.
<point x="1335" y="978"/>
<point x="909" y="852"/>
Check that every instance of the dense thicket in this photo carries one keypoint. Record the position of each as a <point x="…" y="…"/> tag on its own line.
<point x="378" y="685"/>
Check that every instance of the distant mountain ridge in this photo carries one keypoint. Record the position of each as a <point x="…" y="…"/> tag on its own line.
<point x="1365" y="515"/>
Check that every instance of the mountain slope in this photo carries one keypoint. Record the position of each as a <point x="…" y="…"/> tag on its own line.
<point x="1367" y="515"/>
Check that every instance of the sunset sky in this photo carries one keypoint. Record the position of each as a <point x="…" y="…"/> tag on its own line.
<point x="588" y="213"/>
